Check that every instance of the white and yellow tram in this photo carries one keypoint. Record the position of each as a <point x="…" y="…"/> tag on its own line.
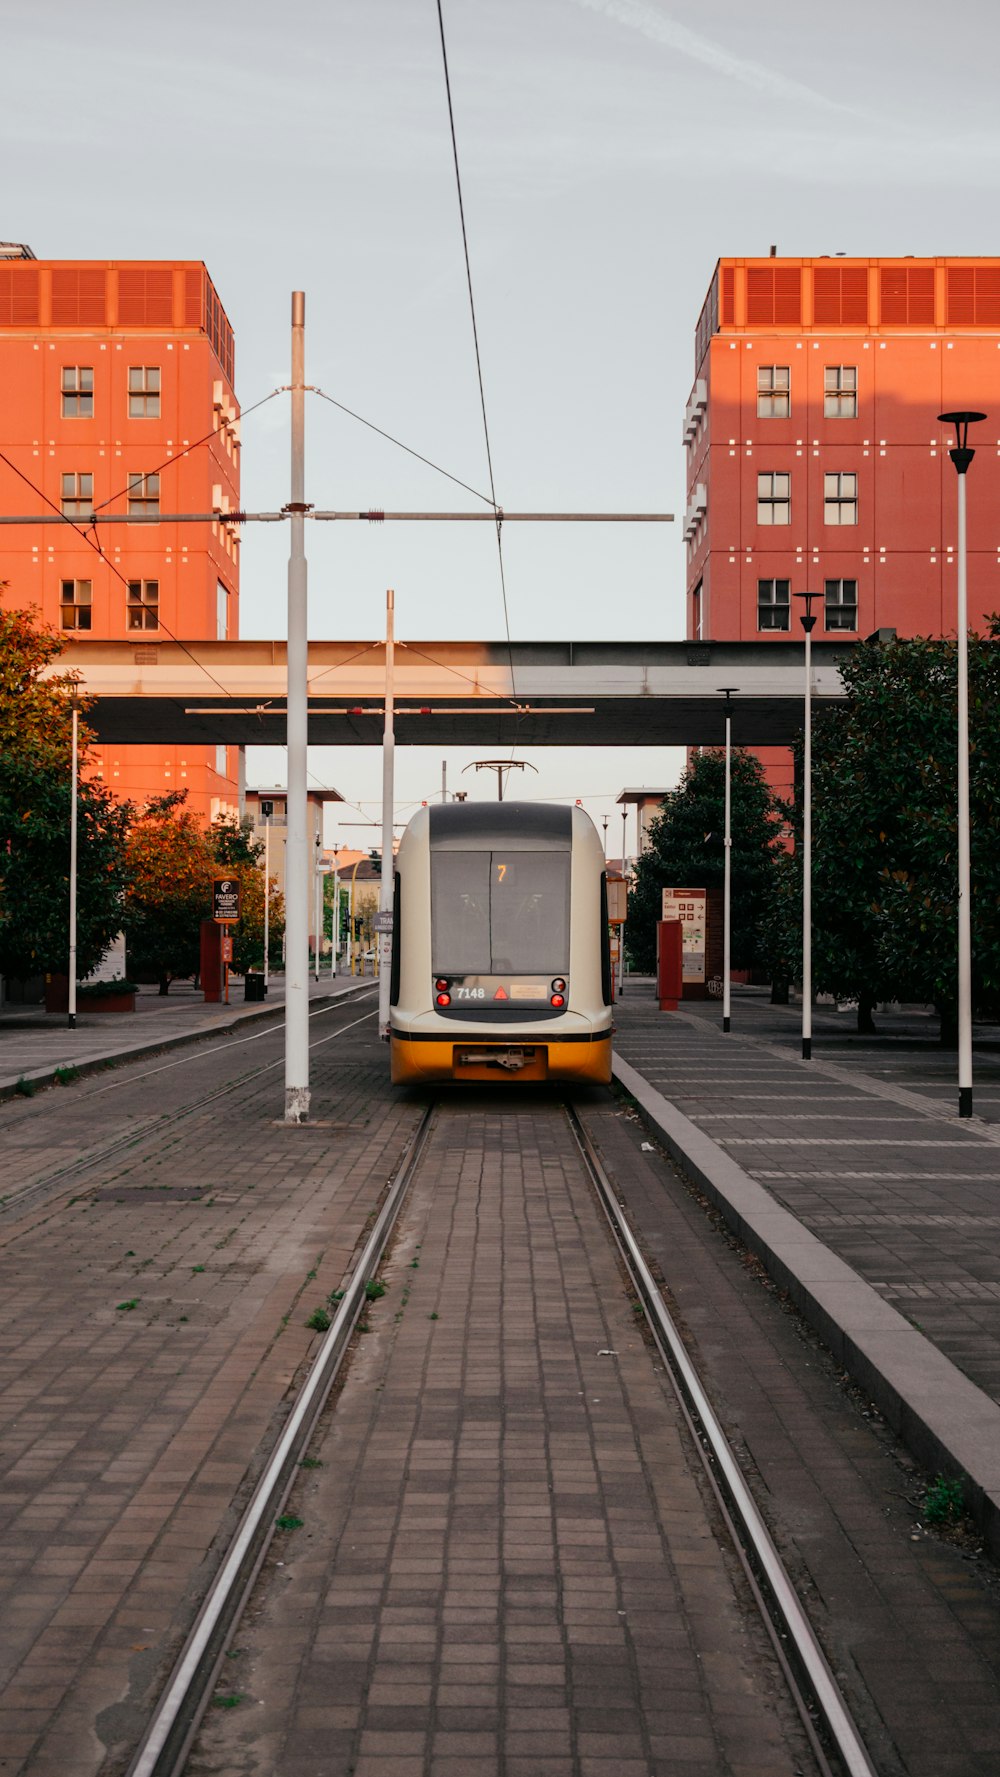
<point x="500" y="960"/>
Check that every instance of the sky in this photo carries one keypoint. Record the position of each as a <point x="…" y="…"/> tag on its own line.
<point x="610" y="152"/>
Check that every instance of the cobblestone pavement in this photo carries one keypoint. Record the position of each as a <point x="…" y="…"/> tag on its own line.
<point x="862" y="1144"/>
<point x="505" y="1563"/>
<point x="910" y="1621"/>
<point x="152" y="1329"/>
<point x="34" y="1042"/>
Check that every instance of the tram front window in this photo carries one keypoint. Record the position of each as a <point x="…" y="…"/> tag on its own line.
<point x="500" y="913"/>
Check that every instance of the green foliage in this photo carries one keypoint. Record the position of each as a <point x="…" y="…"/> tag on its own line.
<point x="686" y="850"/>
<point x="170" y="892"/>
<point x="884" y="877"/>
<point x="65" y="1076"/>
<point x="318" y="1320"/>
<point x="943" y="1502"/>
<point x="99" y="990"/>
<point x="236" y="850"/>
<point x="289" y="1522"/>
<point x="374" y="1289"/>
<point x="35" y="810"/>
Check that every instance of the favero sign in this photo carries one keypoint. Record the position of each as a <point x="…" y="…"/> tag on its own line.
<point x="688" y="905"/>
<point x="226" y="899"/>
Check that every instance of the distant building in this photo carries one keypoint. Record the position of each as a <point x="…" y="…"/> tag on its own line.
<point x="815" y="457"/>
<point x="277" y="822"/>
<point x="117" y="400"/>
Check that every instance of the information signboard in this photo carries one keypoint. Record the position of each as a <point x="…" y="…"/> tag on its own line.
<point x="688" y="905"/>
<point x="225" y="899"/>
<point x="382" y="921"/>
<point x="617" y="900"/>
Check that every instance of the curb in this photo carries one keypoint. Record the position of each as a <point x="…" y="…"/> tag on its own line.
<point x="46" y="1076"/>
<point x="948" y="1423"/>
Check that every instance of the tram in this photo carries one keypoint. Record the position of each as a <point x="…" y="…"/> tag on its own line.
<point x="500" y="959"/>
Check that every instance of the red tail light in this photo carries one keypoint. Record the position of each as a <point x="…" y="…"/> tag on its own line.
<point x="558" y="1000"/>
<point x="444" y="999"/>
<point x="441" y="985"/>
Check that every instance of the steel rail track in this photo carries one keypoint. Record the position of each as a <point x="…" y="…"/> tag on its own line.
<point x="807" y="1673"/>
<point x="174" y="1724"/>
<point x="134" y="1137"/>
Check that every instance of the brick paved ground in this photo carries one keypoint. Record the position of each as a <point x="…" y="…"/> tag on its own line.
<point x="33" y="1042"/>
<point x="127" y="1431"/>
<point x="505" y="1564"/>
<point x="862" y="1144"/>
<point x="910" y="1623"/>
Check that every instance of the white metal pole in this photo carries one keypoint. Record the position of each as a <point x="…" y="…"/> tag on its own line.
<point x="267" y="896"/>
<point x="727" y="879"/>
<point x="335" y="925"/>
<point x="964" y="854"/>
<point x="386" y="884"/>
<point x="807" y="856"/>
<point x="297" y="842"/>
<point x="72" y="873"/>
<point x="317" y="921"/>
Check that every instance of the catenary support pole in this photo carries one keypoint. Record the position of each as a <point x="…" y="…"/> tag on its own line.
<point x="807" y="621"/>
<point x="385" y="893"/>
<point x="727" y="880"/>
<point x="267" y="896"/>
<point x="297" y="845"/>
<point x="74" y="774"/>
<point x="964" y="849"/>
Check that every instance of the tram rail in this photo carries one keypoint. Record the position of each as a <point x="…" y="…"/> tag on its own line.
<point x="168" y="1738"/>
<point x="807" y="1673"/>
<point x="136" y="1135"/>
<point x="837" y="1746"/>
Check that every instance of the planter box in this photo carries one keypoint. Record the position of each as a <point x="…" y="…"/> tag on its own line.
<point x="108" y="1002"/>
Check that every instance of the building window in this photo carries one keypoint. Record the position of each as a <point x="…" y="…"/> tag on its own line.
<point x="75" y="601"/>
<point x="774" y="499"/>
<point x="144" y="496"/>
<point x="840" y="392"/>
<point x="841" y="604"/>
<point x="143" y="604"/>
<point x="143" y="391"/>
<point x="77" y="392"/>
<point x="78" y="496"/>
<point x="840" y="499"/>
<point x="774" y="604"/>
<point x="774" y="397"/>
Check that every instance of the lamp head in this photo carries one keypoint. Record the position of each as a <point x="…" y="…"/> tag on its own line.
<point x="807" y="619"/>
<point x="960" y="453"/>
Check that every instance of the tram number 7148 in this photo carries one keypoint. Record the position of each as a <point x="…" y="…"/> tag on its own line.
<point x="470" y="993"/>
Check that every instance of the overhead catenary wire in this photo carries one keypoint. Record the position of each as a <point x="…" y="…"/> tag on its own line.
<point x="475" y="336"/>
<point x="401" y="446"/>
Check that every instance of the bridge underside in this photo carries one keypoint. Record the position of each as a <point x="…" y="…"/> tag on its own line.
<point x="455" y="694"/>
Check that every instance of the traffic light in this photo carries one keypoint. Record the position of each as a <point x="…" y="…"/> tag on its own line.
<point x="375" y="860"/>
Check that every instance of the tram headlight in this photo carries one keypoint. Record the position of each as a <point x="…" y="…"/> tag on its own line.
<point x="558" y="985"/>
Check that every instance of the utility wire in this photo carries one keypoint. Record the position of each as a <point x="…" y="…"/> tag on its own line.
<point x="475" y="336"/>
<point x="188" y="448"/>
<point x="410" y="452"/>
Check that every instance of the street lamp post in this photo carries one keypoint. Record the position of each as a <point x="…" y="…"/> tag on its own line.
<point x="807" y="621"/>
<point x="74" y="796"/>
<point x="727" y="692"/>
<point x="962" y="456"/>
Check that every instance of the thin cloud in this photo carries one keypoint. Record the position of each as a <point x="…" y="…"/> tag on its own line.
<point x="659" y="28"/>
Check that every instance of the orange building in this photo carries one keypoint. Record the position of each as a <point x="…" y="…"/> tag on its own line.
<point x="815" y="458"/>
<point x="117" y="400"/>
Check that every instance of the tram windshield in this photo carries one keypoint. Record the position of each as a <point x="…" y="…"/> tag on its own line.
<point x="500" y="913"/>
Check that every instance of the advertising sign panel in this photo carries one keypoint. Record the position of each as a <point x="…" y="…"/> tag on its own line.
<point x="225" y="899"/>
<point x="688" y="905"/>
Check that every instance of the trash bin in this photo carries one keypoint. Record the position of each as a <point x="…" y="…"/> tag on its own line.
<point x="254" y="986"/>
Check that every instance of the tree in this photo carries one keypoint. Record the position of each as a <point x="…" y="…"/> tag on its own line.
<point x="236" y="849"/>
<point x="686" y="848"/>
<point x="171" y="866"/>
<point x="884" y="875"/>
<point x="35" y="810"/>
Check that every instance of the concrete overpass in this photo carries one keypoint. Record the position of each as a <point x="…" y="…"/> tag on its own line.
<point x="455" y="694"/>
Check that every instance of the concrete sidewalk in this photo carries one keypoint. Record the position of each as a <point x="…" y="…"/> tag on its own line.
<point x="35" y="1043"/>
<point x="865" y="1196"/>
